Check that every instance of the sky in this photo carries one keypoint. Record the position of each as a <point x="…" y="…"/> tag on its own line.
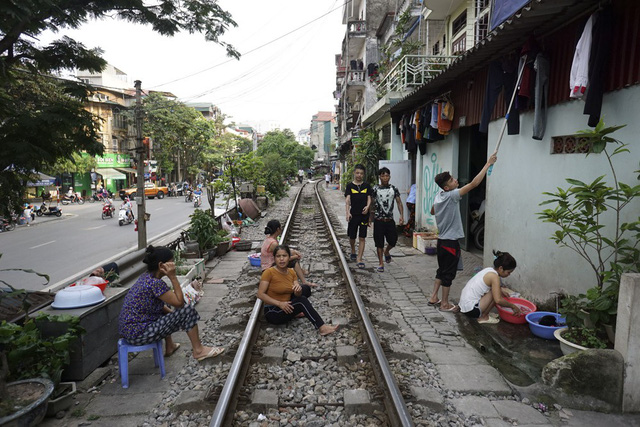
<point x="283" y="83"/>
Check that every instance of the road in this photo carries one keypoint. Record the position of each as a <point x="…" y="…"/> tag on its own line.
<point x="80" y="240"/>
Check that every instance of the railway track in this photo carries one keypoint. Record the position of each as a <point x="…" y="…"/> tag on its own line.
<point x="291" y="375"/>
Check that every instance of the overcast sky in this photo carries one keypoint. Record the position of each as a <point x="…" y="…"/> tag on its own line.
<point x="283" y="83"/>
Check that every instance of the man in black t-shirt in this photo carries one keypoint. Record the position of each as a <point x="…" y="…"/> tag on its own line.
<point x="358" y="202"/>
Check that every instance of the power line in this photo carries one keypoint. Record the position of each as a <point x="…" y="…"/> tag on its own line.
<point x="256" y="48"/>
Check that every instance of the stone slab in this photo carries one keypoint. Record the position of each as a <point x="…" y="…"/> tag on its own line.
<point x="457" y="356"/>
<point x="233" y="322"/>
<point x="428" y="397"/>
<point x="357" y="402"/>
<point x="124" y="404"/>
<point x="191" y="400"/>
<point x="346" y="354"/>
<point x="473" y="379"/>
<point x="95" y="378"/>
<point x="516" y="411"/>
<point x="475" y="405"/>
<point x="263" y="400"/>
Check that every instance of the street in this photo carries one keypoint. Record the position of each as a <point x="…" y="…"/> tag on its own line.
<point x="81" y="239"/>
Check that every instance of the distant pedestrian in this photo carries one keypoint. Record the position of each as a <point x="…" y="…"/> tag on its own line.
<point x="327" y="179"/>
<point x="300" y="175"/>
<point x="357" y="203"/>
<point x="446" y="208"/>
<point x="411" y="207"/>
<point x="27" y="213"/>
<point x="385" y="196"/>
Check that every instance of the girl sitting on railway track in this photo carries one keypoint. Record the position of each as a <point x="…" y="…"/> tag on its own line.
<point x="152" y="311"/>
<point x="273" y="230"/>
<point x="284" y="297"/>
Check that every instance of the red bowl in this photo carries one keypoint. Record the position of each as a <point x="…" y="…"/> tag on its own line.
<point x="506" y="313"/>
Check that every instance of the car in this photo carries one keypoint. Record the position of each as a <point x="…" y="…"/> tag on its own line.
<point x="151" y="190"/>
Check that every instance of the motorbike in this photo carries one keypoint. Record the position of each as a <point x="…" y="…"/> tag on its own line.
<point x="188" y="196"/>
<point x="123" y="218"/>
<point x="48" y="210"/>
<point x="97" y="197"/>
<point x="477" y="226"/>
<point x="197" y="200"/>
<point x="76" y="198"/>
<point x="108" y="210"/>
<point x="7" y="225"/>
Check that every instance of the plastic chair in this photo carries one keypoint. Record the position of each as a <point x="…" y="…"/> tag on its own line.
<point x="124" y="348"/>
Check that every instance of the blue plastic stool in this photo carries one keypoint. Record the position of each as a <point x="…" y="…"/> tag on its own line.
<point x="124" y="348"/>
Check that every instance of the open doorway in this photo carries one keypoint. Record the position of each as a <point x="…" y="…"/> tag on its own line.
<point x="471" y="158"/>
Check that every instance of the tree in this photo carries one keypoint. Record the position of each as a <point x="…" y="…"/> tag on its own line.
<point x="42" y="119"/>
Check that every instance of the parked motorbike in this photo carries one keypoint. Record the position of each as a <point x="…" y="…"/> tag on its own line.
<point x="123" y="218"/>
<point x="197" y="200"/>
<point x="76" y="198"/>
<point x="7" y="225"/>
<point x="108" y="210"/>
<point x="48" y="210"/>
<point x="477" y="226"/>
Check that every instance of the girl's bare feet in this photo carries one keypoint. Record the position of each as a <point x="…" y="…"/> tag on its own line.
<point x="328" y="329"/>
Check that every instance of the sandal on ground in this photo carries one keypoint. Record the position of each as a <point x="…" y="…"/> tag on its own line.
<point x="380" y="269"/>
<point x="353" y="257"/>
<point x="494" y="315"/>
<point x="173" y="351"/>
<point x="387" y="258"/>
<point x="490" y="321"/>
<point x="433" y="304"/>
<point x="215" y="351"/>
<point x="360" y="265"/>
<point x="454" y="308"/>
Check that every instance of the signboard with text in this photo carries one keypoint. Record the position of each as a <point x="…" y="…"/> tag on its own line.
<point x="113" y="160"/>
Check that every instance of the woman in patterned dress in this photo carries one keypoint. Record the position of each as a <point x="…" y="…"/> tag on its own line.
<point x="153" y="311"/>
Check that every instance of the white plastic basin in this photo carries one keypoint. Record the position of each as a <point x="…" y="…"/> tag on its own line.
<point x="77" y="297"/>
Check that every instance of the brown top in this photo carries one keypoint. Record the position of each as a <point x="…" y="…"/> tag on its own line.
<point x="280" y="284"/>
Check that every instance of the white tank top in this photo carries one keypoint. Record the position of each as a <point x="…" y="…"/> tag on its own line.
<point x="474" y="290"/>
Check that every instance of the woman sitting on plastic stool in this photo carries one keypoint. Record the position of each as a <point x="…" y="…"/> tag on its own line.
<point x="152" y="311"/>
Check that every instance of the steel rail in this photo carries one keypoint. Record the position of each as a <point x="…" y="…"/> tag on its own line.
<point x="230" y="388"/>
<point x="402" y="414"/>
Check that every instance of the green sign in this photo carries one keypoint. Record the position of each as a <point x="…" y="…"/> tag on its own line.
<point x="113" y="160"/>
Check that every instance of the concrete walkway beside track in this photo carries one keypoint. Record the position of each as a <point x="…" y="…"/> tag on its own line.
<point x="475" y="387"/>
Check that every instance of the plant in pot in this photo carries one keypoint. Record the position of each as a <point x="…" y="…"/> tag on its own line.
<point x="203" y="228"/>
<point x="33" y="362"/>
<point x="581" y="212"/>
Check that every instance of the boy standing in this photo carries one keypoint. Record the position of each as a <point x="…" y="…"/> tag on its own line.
<point x="446" y="208"/>
<point x="358" y="201"/>
<point x="384" y="227"/>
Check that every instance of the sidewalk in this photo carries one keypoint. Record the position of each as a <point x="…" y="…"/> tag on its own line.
<point x="472" y="382"/>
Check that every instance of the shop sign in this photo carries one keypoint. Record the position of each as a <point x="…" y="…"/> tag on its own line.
<point x="113" y="160"/>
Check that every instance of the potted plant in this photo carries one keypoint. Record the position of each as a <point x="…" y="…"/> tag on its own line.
<point x="579" y="214"/>
<point x="203" y="229"/>
<point x="32" y="361"/>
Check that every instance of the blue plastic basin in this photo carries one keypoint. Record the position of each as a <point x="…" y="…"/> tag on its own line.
<point x="254" y="261"/>
<point x="542" y="331"/>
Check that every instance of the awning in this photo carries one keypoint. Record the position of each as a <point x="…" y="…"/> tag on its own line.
<point x="127" y="170"/>
<point x="43" y="181"/>
<point x="108" y="173"/>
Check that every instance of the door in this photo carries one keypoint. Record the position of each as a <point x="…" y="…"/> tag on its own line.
<point x="464" y="159"/>
<point x="401" y="178"/>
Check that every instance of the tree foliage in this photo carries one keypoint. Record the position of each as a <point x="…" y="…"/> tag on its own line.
<point x="42" y="119"/>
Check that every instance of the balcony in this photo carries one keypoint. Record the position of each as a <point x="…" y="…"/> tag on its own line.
<point x="355" y="77"/>
<point x="357" y="28"/>
<point x="412" y="71"/>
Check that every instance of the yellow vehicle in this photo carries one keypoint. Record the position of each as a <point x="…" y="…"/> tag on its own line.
<point x="151" y="190"/>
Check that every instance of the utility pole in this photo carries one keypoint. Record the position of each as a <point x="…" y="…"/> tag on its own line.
<point x="142" y="223"/>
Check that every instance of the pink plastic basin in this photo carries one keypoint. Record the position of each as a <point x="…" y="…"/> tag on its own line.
<point x="506" y="313"/>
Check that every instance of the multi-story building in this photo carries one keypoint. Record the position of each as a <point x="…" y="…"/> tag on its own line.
<point x="207" y="109"/>
<point x="322" y="136"/>
<point x="468" y="60"/>
<point x="304" y="137"/>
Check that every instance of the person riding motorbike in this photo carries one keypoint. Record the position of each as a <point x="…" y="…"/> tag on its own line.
<point x="71" y="195"/>
<point x="197" y="195"/>
<point x="127" y="204"/>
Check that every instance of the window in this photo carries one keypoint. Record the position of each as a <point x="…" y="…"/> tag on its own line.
<point x="482" y="4"/>
<point x="482" y="27"/>
<point x="436" y="48"/>
<point x="459" y="23"/>
<point x="386" y="134"/>
<point x="460" y="45"/>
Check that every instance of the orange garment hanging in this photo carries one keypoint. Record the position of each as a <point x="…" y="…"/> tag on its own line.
<point x="445" y="117"/>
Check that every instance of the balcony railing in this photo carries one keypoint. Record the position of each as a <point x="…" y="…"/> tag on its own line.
<point x="357" y="28"/>
<point x="355" y="77"/>
<point x="413" y="71"/>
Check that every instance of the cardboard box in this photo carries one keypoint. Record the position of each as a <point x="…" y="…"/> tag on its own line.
<point x="427" y="234"/>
